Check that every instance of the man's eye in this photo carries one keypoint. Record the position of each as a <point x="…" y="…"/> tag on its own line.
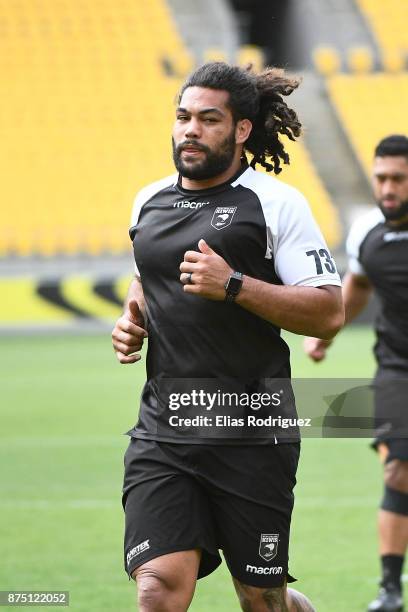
<point x="182" y="118"/>
<point x="210" y="120"/>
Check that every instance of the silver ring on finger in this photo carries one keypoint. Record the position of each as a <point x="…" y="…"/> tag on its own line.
<point x="190" y="279"/>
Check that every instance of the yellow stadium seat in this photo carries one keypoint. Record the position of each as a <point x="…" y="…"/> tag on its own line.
<point x="180" y="62"/>
<point x="250" y="54"/>
<point x="326" y="60"/>
<point x="214" y="54"/>
<point x="360" y="59"/>
<point x="393" y="61"/>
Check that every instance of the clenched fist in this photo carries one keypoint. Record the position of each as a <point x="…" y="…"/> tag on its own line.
<point x="129" y="333"/>
<point x="316" y="348"/>
<point x="204" y="272"/>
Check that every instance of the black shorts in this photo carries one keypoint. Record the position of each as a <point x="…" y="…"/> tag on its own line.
<point x="391" y="406"/>
<point x="235" y="498"/>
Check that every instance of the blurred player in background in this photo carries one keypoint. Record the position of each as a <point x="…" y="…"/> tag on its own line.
<point x="223" y="256"/>
<point x="377" y="247"/>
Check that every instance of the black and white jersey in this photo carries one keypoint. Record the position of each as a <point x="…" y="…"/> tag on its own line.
<point x="262" y="228"/>
<point x="380" y="252"/>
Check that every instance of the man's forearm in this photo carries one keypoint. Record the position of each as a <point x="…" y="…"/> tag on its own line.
<point x="310" y="311"/>
<point x="356" y="294"/>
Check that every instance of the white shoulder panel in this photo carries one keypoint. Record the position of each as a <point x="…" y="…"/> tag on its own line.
<point x="294" y="240"/>
<point x="148" y="192"/>
<point x="359" y="230"/>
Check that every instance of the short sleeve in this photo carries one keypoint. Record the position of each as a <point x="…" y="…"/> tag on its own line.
<point x="301" y="254"/>
<point x="140" y="200"/>
<point x="352" y="249"/>
<point x="137" y="206"/>
<point x="357" y="234"/>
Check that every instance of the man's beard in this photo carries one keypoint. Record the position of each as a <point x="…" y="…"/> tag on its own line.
<point x="397" y="214"/>
<point x="213" y="164"/>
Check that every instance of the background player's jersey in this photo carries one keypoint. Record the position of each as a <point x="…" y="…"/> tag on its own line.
<point x="380" y="252"/>
<point x="262" y="228"/>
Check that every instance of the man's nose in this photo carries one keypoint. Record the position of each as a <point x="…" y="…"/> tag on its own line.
<point x="388" y="187"/>
<point x="193" y="129"/>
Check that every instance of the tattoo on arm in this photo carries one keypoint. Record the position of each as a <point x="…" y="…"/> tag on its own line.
<point x="243" y="595"/>
<point x="276" y="600"/>
<point x="242" y="591"/>
<point x="246" y="605"/>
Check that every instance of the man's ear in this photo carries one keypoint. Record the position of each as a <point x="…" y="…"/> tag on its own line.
<point x="242" y="130"/>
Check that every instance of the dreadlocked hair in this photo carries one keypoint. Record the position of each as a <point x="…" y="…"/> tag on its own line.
<point x="259" y="98"/>
<point x="274" y="117"/>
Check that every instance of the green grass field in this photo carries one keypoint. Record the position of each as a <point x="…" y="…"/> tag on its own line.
<point x="65" y="406"/>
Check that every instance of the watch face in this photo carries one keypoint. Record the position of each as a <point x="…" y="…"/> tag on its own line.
<point x="234" y="284"/>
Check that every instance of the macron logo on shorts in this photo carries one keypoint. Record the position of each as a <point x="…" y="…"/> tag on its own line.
<point x="252" y="569"/>
<point x="137" y="550"/>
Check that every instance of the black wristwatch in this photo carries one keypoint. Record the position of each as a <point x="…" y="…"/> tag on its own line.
<point x="233" y="286"/>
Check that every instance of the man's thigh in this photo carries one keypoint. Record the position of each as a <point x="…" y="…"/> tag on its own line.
<point x="166" y="510"/>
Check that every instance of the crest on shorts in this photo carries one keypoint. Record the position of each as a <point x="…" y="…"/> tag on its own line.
<point x="222" y="216"/>
<point x="268" y="546"/>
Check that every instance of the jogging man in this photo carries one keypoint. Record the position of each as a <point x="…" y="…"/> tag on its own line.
<point x="378" y="260"/>
<point x="225" y="257"/>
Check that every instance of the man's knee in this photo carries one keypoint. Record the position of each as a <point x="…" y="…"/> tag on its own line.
<point x="164" y="584"/>
<point x="395" y="498"/>
<point x="394" y="501"/>
<point x="297" y="602"/>
<point x="152" y="588"/>
<point x="396" y="475"/>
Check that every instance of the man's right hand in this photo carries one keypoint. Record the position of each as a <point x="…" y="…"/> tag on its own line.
<point x="316" y="348"/>
<point x="128" y="334"/>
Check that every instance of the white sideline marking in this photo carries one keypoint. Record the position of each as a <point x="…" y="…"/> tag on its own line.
<point x="45" y="504"/>
<point x="32" y="441"/>
<point x="348" y="502"/>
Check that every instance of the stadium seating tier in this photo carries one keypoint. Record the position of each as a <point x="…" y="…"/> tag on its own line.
<point x="86" y="116"/>
<point x="370" y="107"/>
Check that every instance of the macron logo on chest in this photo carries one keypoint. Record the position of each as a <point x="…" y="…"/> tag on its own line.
<point x="188" y="204"/>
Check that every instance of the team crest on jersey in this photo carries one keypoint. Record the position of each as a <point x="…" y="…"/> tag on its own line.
<point x="223" y="216"/>
<point x="268" y="546"/>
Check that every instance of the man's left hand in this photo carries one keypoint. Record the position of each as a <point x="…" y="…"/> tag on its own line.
<point x="204" y="272"/>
